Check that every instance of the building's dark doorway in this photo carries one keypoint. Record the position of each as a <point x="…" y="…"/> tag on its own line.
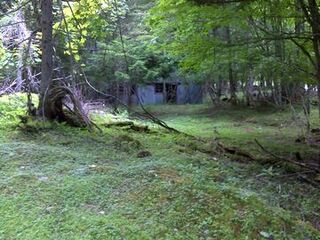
<point x="171" y="93"/>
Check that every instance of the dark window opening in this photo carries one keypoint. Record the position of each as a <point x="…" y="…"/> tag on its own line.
<point x="158" y="88"/>
<point x="121" y="89"/>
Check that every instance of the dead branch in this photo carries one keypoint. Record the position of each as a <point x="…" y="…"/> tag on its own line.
<point x="120" y="124"/>
<point x="236" y="151"/>
<point x="156" y="120"/>
<point x="282" y="159"/>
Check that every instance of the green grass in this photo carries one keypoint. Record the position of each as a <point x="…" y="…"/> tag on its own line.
<point x="58" y="182"/>
<point x="240" y="126"/>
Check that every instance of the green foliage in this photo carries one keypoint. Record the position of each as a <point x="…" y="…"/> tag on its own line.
<point x="110" y="64"/>
<point x="11" y="107"/>
<point x="86" y="21"/>
<point x="196" y="34"/>
<point x="190" y="37"/>
<point x="111" y="41"/>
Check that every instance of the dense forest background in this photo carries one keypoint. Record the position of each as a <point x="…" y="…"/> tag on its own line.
<point x="245" y="50"/>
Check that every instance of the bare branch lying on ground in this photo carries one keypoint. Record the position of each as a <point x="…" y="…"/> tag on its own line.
<point x="286" y="160"/>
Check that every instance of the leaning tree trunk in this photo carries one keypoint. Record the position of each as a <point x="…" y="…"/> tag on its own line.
<point x="49" y="106"/>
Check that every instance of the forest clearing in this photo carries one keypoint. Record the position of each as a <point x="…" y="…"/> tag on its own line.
<point x="67" y="183"/>
<point x="165" y="119"/>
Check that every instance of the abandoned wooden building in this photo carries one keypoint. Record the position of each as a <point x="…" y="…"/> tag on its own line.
<point x="172" y="90"/>
<point x="170" y="93"/>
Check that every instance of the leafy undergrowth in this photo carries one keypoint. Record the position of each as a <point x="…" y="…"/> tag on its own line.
<point x="58" y="182"/>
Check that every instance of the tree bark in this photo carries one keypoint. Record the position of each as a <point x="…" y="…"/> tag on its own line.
<point x="315" y="17"/>
<point x="312" y="15"/>
<point x="47" y="57"/>
<point x="249" y="86"/>
<point x="48" y="108"/>
<point x="232" y="81"/>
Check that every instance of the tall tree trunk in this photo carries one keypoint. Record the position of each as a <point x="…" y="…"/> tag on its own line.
<point x="312" y="15"/>
<point x="279" y="46"/>
<point x="249" y="86"/>
<point x="48" y="108"/>
<point x="47" y="57"/>
<point x="233" y="86"/>
<point x="315" y="25"/>
<point x="315" y="17"/>
<point x="232" y="81"/>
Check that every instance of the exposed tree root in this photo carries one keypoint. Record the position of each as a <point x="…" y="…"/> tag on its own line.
<point x="66" y="106"/>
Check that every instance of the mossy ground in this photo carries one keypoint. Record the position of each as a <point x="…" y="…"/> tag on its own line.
<point x="58" y="182"/>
